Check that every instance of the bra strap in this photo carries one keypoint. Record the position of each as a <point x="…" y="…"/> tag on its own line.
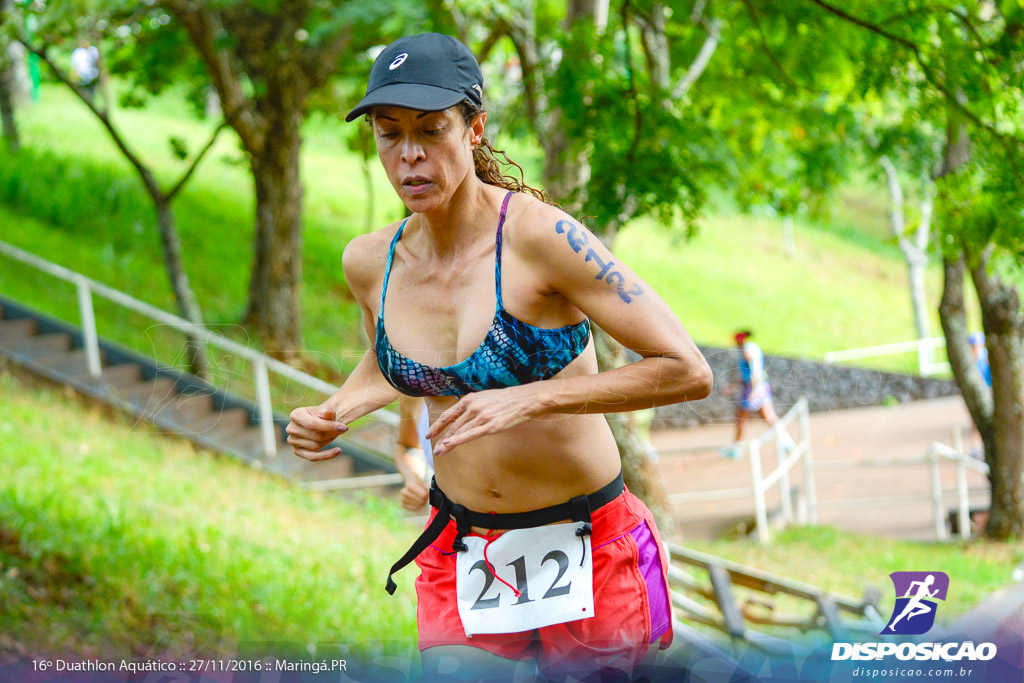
<point x="387" y="271"/>
<point x="497" y="251"/>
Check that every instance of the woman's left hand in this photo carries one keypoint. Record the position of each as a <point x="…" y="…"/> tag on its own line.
<point x="482" y="413"/>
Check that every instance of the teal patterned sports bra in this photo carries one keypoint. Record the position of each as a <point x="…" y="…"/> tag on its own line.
<point x="512" y="353"/>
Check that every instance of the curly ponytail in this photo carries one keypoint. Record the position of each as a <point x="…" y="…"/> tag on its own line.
<point x="487" y="165"/>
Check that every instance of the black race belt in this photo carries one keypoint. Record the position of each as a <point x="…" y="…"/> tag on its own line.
<point x="578" y="510"/>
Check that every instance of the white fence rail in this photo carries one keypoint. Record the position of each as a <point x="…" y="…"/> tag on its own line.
<point x="936" y="456"/>
<point x="786" y="459"/>
<point x="925" y="353"/>
<point x="262" y="365"/>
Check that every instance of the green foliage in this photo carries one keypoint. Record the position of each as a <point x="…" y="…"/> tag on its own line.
<point x="793" y="100"/>
<point x="979" y="207"/>
<point x="641" y="154"/>
<point x="939" y="68"/>
<point x="86" y="200"/>
<point x="781" y="108"/>
<point x="154" y="58"/>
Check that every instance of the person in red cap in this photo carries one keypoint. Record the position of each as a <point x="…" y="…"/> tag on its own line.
<point x="755" y="392"/>
<point x="481" y="301"/>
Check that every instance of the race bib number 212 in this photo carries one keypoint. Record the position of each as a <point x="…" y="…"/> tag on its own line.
<point x="543" y="564"/>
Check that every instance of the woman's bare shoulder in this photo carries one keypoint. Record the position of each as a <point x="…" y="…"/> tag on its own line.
<point x="540" y="231"/>
<point x="365" y="258"/>
<point x="535" y="220"/>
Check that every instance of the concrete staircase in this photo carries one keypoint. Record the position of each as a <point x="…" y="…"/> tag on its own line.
<point x="183" y="404"/>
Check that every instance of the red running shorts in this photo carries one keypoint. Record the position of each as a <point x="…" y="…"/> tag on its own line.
<point x="631" y="601"/>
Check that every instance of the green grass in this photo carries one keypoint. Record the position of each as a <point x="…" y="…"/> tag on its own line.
<point x="113" y="539"/>
<point x="71" y="197"/>
<point x="832" y="294"/>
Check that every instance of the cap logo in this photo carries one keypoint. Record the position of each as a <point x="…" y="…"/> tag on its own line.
<point x="398" y="61"/>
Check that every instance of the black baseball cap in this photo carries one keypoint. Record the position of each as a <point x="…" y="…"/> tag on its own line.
<point x="427" y="72"/>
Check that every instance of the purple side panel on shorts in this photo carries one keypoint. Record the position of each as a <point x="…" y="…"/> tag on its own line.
<point x="650" y="567"/>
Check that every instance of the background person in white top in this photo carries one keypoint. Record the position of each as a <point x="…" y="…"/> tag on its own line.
<point x="755" y="391"/>
<point x="85" y="67"/>
<point x="413" y="455"/>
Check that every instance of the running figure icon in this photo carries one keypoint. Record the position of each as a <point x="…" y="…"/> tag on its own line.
<point x="916" y="606"/>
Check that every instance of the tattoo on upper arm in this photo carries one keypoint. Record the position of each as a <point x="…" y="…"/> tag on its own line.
<point x="579" y="240"/>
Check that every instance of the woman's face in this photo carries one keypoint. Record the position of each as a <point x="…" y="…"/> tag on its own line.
<point x="427" y="155"/>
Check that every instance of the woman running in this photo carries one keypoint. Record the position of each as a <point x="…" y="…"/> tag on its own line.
<point x="755" y="393"/>
<point x="482" y="302"/>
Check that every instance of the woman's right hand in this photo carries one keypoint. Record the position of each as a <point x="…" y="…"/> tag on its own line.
<point x="311" y="428"/>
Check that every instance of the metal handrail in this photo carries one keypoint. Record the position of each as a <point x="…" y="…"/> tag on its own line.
<point x="773" y="432"/>
<point x="780" y="475"/>
<point x="935" y="453"/>
<point x="924" y="348"/>
<point x="963" y="461"/>
<point x="262" y="364"/>
<point x="941" y="451"/>
<point x="970" y="462"/>
<point x="883" y="349"/>
<point x="725" y="575"/>
<point x="777" y="583"/>
<point x="760" y="483"/>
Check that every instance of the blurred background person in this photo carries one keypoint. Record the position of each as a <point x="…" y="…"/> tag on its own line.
<point x="85" y="67"/>
<point x="413" y="455"/>
<point x="977" y="342"/>
<point x="755" y="393"/>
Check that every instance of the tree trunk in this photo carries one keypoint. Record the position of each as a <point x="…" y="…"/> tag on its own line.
<point x="913" y="252"/>
<point x="954" y="326"/>
<point x="916" y="271"/>
<point x="194" y="350"/>
<point x="919" y="261"/>
<point x="371" y="198"/>
<point x="368" y="177"/>
<point x="102" y="77"/>
<point x="565" y="177"/>
<point x="10" y="128"/>
<point x="997" y="414"/>
<point x="1003" y="320"/>
<point x="169" y="241"/>
<point x="274" y="306"/>
<point x="655" y="43"/>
